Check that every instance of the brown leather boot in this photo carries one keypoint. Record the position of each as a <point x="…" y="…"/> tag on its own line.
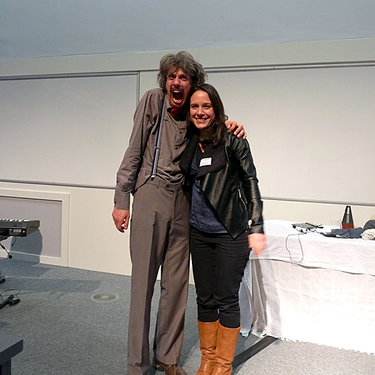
<point x="225" y="348"/>
<point x="207" y="337"/>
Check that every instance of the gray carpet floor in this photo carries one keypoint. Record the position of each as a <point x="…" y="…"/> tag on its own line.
<point x="75" y="322"/>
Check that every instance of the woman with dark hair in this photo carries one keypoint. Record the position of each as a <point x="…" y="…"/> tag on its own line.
<point x="225" y="198"/>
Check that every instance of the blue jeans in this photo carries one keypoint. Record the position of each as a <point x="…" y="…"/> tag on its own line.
<point x="219" y="262"/>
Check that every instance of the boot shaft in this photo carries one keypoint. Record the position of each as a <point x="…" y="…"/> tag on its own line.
<point x="208" y="335"/>
<point x="208" y="338"/>
<point x="225" y="349"/>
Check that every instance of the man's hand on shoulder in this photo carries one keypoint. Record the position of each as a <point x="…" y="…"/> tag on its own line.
<point x="121" y="219"/>
<point x="236" y="128"/>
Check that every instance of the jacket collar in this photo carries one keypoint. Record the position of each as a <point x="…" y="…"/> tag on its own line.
<point x="217" y="160"/>
<point x="217" y="156"/>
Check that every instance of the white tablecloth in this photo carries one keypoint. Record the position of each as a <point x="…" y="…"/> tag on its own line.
<point x="311" y="288"/>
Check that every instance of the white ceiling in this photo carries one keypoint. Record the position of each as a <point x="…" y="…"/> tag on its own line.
<point x="39" y="28"/>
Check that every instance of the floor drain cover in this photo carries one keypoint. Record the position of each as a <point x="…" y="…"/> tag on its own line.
<point x="104" y="297"/>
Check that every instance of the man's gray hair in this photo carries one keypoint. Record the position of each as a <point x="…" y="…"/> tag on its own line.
<point x="181" y="60"/>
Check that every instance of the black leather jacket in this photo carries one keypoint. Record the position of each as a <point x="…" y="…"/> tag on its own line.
<point x="229" y="183"/>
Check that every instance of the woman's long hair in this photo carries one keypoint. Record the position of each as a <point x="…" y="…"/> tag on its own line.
<point x="214" y="134"/>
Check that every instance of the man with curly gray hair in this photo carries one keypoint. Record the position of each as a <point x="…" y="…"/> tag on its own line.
<point x="184" y="61"/>
<point x="159" y="235"/>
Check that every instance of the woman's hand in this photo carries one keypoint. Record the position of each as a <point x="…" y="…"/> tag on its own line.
<point x="257" y="241"/>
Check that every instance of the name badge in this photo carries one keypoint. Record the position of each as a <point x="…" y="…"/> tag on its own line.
<point x="204" y="162"/>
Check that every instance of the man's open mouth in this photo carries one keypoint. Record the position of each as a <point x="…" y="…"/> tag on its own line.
<point x="177" y="96"/>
